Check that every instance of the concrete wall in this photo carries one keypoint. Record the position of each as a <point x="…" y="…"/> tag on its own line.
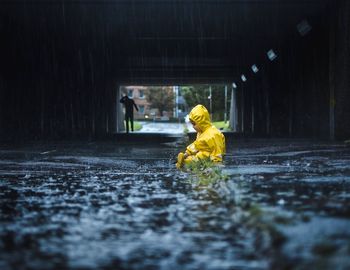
<point x="340" y="67"/>
<point x="34" y="107"/>
<point x="305" y="92"/>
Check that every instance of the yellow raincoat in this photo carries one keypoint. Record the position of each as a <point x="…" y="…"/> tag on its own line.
<point x="210" y="142"/>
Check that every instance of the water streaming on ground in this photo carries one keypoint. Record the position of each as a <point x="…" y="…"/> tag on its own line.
<point x="103" y="206"/>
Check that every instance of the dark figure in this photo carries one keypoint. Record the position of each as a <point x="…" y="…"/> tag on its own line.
<point x="129" y="111"/>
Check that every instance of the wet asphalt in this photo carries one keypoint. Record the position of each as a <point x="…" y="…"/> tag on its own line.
<point x="164" y="127"/>
<point x="284" y="204"/>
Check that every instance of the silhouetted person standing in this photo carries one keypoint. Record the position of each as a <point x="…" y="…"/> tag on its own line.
<point x="129" y="111"/>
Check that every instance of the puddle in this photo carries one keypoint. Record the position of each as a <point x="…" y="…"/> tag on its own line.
<point x="93" y="207"/>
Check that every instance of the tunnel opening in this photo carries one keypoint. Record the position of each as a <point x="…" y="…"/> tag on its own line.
<point x="164" y="109"/>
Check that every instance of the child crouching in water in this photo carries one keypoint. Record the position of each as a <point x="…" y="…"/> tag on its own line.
<point x="209" y="144"/>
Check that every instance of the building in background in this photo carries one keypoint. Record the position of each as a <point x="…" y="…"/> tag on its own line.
<point x="139" y="95"/>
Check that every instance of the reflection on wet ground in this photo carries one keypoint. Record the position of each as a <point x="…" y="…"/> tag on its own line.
<point x="285" y="205"/>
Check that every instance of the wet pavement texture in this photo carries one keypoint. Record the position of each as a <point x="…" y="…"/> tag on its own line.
<point x="102" y="205"/>
<point x="164" y="127"/>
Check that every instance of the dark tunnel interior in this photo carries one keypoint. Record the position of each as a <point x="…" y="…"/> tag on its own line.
<point x="62" y="62"/>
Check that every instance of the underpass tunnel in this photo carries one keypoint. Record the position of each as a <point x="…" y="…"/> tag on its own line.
<point x="286" y="63"/>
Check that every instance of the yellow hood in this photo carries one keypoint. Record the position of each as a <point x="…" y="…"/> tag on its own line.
<point x="200" y="116"/>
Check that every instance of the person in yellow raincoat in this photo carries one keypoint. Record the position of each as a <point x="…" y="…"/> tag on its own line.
<point x="210" y="142"/>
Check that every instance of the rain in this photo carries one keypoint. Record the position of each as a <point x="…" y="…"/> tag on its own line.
<point x="79" y="191"/>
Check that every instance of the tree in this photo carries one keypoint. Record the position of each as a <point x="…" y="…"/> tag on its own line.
<point x="198" y="94"/>
<point x="161" y="98"/>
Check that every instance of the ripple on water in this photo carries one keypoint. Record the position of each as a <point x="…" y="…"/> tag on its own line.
<point x="93" y="212"/>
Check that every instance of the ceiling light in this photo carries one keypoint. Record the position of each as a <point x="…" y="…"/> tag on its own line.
<point x="271" y="55"/>
<point x="255" y="68"/>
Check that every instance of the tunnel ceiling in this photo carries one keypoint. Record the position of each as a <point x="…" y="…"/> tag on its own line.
<point x="144" y="41"/>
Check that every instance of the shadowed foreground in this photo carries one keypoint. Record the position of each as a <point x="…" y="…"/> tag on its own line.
<point x="285" y="204"/>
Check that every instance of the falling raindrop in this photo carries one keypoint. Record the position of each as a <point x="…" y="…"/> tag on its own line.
<point x="281" y="202"/>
